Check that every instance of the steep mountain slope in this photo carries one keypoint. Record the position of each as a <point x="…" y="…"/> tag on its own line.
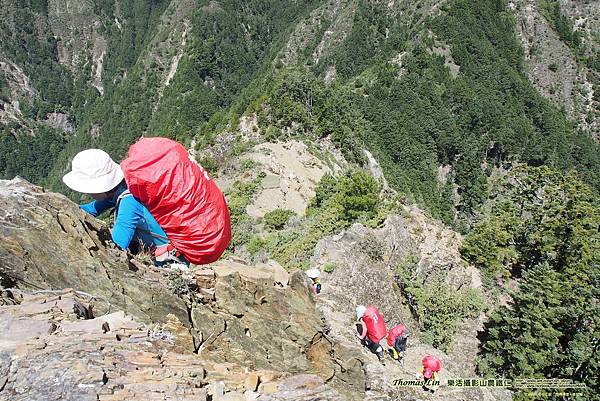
<point x="560" y="42"/>
<point x="253" y="328"/>
<point x="326" y="122"/>
<point x="403" y="82"/>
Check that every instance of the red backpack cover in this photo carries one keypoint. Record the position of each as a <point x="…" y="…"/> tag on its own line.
<point x="183" y="199"/>
<point x="394" y="333"/>
<point x="376" y="328"/>
<point x="432" y="363"/>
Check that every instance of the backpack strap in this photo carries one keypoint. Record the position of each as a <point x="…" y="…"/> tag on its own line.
<point x="119" y="199"/>
<point x="125" y="194"/>
<point x="400" y="344"/>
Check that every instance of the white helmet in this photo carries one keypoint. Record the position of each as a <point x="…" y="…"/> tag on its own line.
<point x="360" y="311"/>
<point x="93" y="172"/>
<point x="313" y="273"/>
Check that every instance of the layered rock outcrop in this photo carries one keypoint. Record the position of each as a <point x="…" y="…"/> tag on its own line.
<point x="50" y="349"/>
<point x="256" y="319"/>
<point x="47" y="242"/>
<point x="101" y="324"/>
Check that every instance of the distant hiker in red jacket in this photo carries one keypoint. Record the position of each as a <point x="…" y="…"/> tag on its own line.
<point x="370" y="329"/>
<point x="429" y="370"/>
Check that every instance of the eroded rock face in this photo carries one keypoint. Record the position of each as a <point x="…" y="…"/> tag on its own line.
<point x="552" y="66"/>
<point x="51" y="348"/>
<point x="292" y="173"/>
<point x="227" y="330"/>
<point x="59" y="121"/>
<point x="50" y="351"/>
<point x="47" y="242"/>
<point x="252" y="318"/>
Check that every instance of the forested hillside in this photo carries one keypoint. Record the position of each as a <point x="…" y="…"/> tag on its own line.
<point x="461" y="104"/>
<point x="438" y="92"/>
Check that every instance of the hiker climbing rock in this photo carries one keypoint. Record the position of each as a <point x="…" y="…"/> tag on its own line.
<point x="95" y="173"/>
<point x="160" y="197"/>
<point x="370" y="329"/>
<point x="396" y="340"/>
<point x="314" y="275"/>
<point x="431" y="365"/>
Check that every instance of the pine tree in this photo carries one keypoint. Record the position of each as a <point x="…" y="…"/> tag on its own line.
<point x="551" y="327"/>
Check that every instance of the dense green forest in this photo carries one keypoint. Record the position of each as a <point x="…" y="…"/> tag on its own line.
<point x="486" y="115"/>
<point x="414" y="114"/>
<point x="544" y="234"/>
<point x="27" y="41"/>
<point x="231" y="46"/>
<point x="30" y="156"/>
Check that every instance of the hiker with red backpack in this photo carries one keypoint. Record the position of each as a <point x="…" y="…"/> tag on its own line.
<point x="397" y="339"/>
<point x="370" y="329"/>
<point x="161" y="198"/>
<point x="429" y="370"/>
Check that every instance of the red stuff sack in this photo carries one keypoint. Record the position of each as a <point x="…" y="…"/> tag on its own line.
<point x="185" y="202"/>
<point x="394" y="333"/>
<point x="376" y="328"/>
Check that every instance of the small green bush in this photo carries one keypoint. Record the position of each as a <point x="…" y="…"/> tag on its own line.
<point x="278" y="218"/>
<point x="354" y="196"/>
<point x="256" y="244"/>
<point x="178" y="284"/>
<point x="242" y="147"/>
<point x="329" y="267"/>
<point x="438" y="307"/>
<point x="442" y="309"/>
<point x="247" y="164"/>
<point x="372" y="247"/>
<point x="272" y="134"/>
<point x="209" y="163"/>
<point x="238" y="198"/>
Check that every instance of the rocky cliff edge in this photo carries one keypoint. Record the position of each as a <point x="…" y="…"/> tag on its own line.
<point x="82" y="320"/>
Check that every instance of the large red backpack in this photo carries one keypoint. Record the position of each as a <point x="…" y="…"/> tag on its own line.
<point x="376" y="328"/>
<point x="394" y="333"/>
<point x="183" y="199"/>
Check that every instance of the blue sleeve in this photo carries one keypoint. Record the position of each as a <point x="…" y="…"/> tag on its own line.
<point x="96" y="207"/>
<point x="130" y="213"/>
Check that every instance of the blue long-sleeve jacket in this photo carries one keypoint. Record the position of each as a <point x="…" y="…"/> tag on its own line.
<point x="133" y="220"/>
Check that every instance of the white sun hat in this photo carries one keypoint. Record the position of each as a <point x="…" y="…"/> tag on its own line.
<point x="93" y="172"/>
<point x="313" y="273"/>
<point x="360" y="311"/>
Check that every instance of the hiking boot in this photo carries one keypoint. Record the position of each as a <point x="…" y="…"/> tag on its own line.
<point x="171" y="257"/>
